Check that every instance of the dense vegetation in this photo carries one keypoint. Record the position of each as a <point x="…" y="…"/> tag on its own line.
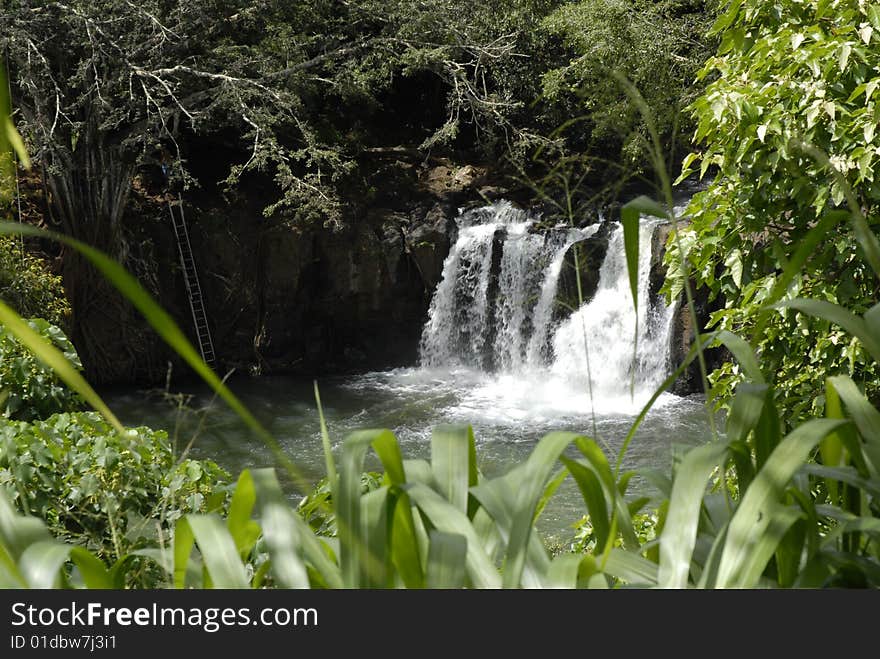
<point x="788" y="123"/>
<point x="785" y="232"/>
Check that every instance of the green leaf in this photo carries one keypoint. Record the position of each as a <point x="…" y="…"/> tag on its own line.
<point x="289" y="538"/>
<point x="591" y="489"/>
<point x="631" y="567"/>
<point x="329" y="464"/>
<point x="452" y="451"/>
<point x="244" y="530"/>
<point x="571" y="570"/>
<point x="218" y="551"/>
<point x="445" y="517"/>
<point x="348" y="506"/>
<point x="183" y="545"/>
<point x="679" y="534"/>
<point x="873" y="12"/>
<point x="375" y="532"/>
<point x="744" y="355"/>
<point x="853" y="324"/>
<point x="41" y="563"/>
<point x="446" y="560"/>
<point x="866" y="418"/>
<point x="94" y="573"/>
<point x="538" y="468"/>
<point x="753" y="525"/>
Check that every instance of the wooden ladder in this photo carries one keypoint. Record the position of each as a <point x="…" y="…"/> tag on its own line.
<point x="191" y="279"/>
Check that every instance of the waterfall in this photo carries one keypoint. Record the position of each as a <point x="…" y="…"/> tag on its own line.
<point x="493" y="310"/>
<point x="605" y="327"/>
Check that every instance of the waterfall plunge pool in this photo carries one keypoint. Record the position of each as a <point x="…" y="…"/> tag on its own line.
<point x="508" y="414"/>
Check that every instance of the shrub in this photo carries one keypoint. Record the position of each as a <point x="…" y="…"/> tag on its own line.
<point x="101" y="489"/>
<point x="33" y="391"/>
<point x="28" y="285"/>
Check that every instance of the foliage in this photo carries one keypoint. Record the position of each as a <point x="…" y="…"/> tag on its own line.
<point x="316" y="508"/>
<point x="30" y="389"/>
<point x="27" y="284"/>
<point x="789" y="78"/>
<point x="101" y="489"/>
<point x="658" y="46"/>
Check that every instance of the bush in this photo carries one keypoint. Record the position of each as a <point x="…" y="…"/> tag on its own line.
<point x="100" y="489"/>
<point x="28" y="286"/>
<point x="32" y="390"/>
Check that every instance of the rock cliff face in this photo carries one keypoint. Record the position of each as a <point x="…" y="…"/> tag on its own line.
<point x="285" y="299"/>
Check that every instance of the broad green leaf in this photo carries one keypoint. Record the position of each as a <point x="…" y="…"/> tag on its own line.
<point x="244" y="530"/>
<point x="18" y="532"/>
<point x="218" y="551"/>
<point x="41" y="563"/>
<point x="631" y="567"/>
<point x="618" y="507"/>
<point x="451" y="451"/>
<point x="866" y="418"/>
<point x="95" y="574"/>
<point x="591" y="490"/>
<point x="348" y="506"/>
<point x="538" y="468"/>
<point x="846" y="475"/>
<point x="183" y="545"/>
<point x="498" y="497"/>
<point x="446" y="560"/>
<point x="549" y="491"/>
<point x="679" y="534"/>
<point x="287" y="534"/>
<point x="746" y="542"/>
<point x="405" y="552"/>
<point x="744" y="355"/>
<point x="780" y="520"/>
<point x="447" y="518"/>
<point x="571" y="570"/>
<point x="375" y="532"/>
<point x="745" y="410"/>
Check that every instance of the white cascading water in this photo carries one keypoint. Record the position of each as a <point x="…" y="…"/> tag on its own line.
<point x="605" y="328"/>
<point x="506" y="326"/>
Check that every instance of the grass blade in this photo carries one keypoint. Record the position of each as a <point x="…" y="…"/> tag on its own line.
<point x="41" y="563"/>
<point x="94" y="573"/>
<point x="754" y="515"/>
<point x="452" y="448"/>
<point x="446" y="560"/>
<point x="631" y="568"/>
<point x="445" y="517"/>
<point x="290" y="540"/>
<point x="679" y="534"/>
<point x="218" y="551"/>
<point x="866" y="418"/>
<point x="538" y="468"/>
<point x="244" y="530"/>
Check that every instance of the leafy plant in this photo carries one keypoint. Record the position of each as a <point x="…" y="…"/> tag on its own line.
<point x="102" y="489"/>
<point x="31" y="390"/>
<point x="27" y="284"/>
<point x="790" y="80"/>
